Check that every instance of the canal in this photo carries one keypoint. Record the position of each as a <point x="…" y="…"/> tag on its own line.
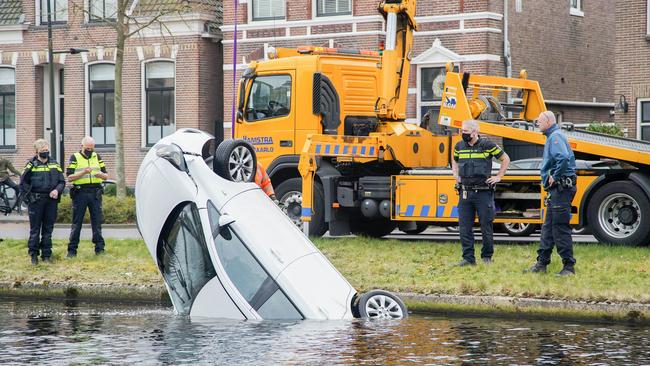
<point x="60" y="332"/>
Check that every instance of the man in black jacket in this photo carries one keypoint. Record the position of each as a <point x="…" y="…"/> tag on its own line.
<point x="42" y="182"/>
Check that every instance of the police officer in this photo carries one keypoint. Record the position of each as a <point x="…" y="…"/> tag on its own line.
<point x="559" y="180"/>
<point x="472" y="168"/>
<point x="86" y="171"/>
<point x="42" y="183"/>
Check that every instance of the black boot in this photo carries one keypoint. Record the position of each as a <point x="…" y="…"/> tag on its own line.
<point x="567" y="270"/>
<point x="538" y="267"/>
<point x="34" y="259"/>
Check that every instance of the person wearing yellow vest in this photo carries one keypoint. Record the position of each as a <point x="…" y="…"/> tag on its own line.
<point x="86" y="171"/>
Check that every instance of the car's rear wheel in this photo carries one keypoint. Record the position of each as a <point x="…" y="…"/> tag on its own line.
<point x="619" y="213"/>
<point x="289" y="194"/>
<point x="380" y="304"/>
<point x="235" y="160"/>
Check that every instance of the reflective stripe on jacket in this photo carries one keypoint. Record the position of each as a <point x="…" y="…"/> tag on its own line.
<point x="80" y="163"/>
<point x="263" y="181"/>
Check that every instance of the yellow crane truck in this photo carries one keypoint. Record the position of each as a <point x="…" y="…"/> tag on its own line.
<point x="329" y="126"/>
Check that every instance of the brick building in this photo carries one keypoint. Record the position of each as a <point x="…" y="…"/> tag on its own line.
<point x="566" y="45"/>
<point x="171" y="76"/>
<point x="632" y="62"/>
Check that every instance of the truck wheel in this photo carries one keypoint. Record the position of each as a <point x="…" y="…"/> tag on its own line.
<point x="380" y="304"/>
<point x="235" y="160"/>
<point x="289" y="193"/>
<point x="420" y="227"/>
<point x="619" y="213"/>
<point x="518" y="228"/>
<point x="374" y="228"/>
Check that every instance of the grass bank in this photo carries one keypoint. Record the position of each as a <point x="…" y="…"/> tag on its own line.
<point x="605" y="274"/>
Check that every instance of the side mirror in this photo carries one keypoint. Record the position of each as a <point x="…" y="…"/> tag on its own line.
<point x="240" y="116"/>
<point x="174" y="155"/>
<point x="225" y="220"/>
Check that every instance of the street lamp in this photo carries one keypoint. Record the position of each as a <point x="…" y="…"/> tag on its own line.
<point x="50" y="55"/>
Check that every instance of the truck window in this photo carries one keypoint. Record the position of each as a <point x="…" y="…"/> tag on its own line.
<point x="270" y="97"/>
<point x="183" y="257"/>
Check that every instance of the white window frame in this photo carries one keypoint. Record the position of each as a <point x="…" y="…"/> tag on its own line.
<point x="87" y="126"/>
<point x="249" y="6"/>
<point x="37" y="14"/>
<point x="576" y="11"/>
<point x="89" y="19"/>
<point x="4" y="148"/>
<point x="143" y="98"/>
<point x="314" y="12"/>
<point x="638" y="116"/>
<point x="419" y="103"/>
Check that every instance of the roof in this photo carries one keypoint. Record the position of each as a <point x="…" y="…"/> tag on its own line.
<point x="11" y="12"/>
<point x="212" y="8"/>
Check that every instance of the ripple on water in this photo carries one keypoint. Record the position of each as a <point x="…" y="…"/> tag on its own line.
<point x="70" y="332"/>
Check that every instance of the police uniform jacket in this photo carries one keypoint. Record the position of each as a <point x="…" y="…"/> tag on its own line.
<point x="42" y="177"/>
<point x="475" y="161"/>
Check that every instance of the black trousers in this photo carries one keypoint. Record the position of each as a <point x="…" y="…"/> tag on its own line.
<point x="42" y="215"/>
<point x="556" y="230"/>
<point x="481" y="203"/>
<point x="92" y="200"/>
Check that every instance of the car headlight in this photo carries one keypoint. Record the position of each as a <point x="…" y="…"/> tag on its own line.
<point x="173" y="154"/>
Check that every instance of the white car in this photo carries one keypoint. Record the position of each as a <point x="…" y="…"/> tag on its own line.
<point x="226" y="250"/>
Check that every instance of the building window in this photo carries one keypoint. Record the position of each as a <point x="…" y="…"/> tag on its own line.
<point x="267" y="10"/>
<point x="644" y="120"/>
<point x="270" y="97"/>
<point x="576" y="8"/>
<point x="159" y="90"/>
<point x="59" y="9"/>
<point x="7" y="107"/>
<point x="327" y="8"/>
<point x="102" y="10"/>
<point x="431" y="81"/>
<point x="101" y="91"/>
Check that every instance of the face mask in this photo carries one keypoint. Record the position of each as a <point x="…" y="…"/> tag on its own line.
<point x="44" y="154"/>
<point x="467" y="137"/>
<point x="88" y="152"/>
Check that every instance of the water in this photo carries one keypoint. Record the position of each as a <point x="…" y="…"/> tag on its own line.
<point x="81" y="333"/>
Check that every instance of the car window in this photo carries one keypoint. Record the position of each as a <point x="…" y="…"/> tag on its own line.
<point x="246" y="273"/>
<point x="183" y="256"/>
<point x="278" y="306"/>
<point x="270" y="97"/>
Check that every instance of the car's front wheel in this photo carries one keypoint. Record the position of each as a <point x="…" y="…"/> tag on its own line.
<point x="380" y="304"/>
<point x="235" y="160"/>
<point x="518" y="228"/>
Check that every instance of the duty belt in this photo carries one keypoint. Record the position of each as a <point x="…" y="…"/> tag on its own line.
<point x="475" y="187"/>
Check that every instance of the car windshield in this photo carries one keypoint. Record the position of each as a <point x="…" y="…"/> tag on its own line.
<point x="183" y="256"/>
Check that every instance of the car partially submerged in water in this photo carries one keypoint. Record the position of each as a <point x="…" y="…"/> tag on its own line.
<point x="226" y="250"/>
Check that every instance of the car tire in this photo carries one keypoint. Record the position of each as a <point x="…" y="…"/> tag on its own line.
<point x="289" y="194"/>
<point x="518" y="229"/>
<point x="373" y="228"/>
<point x="380" y="304"/>
<point x="420" y="227"/>
<point x="618" y="214"/>
<point x="235" y="160"/>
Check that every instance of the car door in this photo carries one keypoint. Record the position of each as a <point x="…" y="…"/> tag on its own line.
<point x="267" y="120"/>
